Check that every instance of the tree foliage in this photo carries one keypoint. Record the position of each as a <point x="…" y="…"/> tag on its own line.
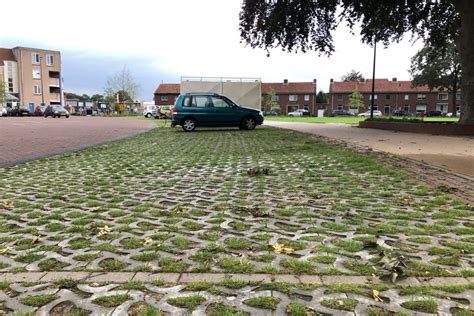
<point x="353" y="75"/>
<point x="270" y="101"/>
<point x="439" y="69"/>
<point x="3" y="92"/>
<point x="304" y="25"/>
<point x="321" y="97"/>
<point x="356" y="101"/>
<point x="122" y="81"/>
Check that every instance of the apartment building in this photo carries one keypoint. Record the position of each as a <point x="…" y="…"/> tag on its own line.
<point x="290" y="96"/>
<point x="392" y="95"/>
<point x="9" y="75"/>
<point x="33" y="75"/>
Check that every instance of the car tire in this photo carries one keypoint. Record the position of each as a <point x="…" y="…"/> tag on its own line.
<point x="248" y="123"/>
<point x="188" y="124"/>
<point x="67" y="116"/>
<point x="148" y="115"/>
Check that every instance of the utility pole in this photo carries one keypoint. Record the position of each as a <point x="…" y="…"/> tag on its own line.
<point x="373" y="82"/>
<point x="41" y="78"/>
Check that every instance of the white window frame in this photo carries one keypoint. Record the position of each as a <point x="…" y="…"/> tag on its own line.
<point x="339" y="97"/>
<point x="306" y="97"/>
<point x="407" y="97"/>
<point x="406" y="108"/>
<point x="421" y="96"/>
<point x="37" y="89"/>
<point x="443" y="107"/>
<point x="36" y="74"/>
<point x="419" y="106"/>
<point x="443" y="96"/>
<point x="293" y="97"/>
<point x="164" y="98"/>
<point x="35" y="58"/>
<point x="370" y="97"/>
<point x="458" y="96"/>
<point x="49" y="60"/>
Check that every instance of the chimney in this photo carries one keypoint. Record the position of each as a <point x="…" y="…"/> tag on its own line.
<point x="394" y="79"/>
<point x="285" y="81"/>
<point x="331" y="81"/>
<point x="314" y="81"/>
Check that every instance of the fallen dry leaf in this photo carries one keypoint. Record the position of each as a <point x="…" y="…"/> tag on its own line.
<point x="147" y="241"/>
<point x="104" y="230"/>
<point x="376" y="296"/>
<point x="280" y="248"/>
<point x="36" y="239"/>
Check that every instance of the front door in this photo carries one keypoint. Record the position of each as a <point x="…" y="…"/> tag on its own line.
<point x="198" y="107"/>
<point x="224" y="112"/>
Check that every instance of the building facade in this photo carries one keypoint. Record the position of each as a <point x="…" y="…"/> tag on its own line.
<point x="33" y="75"/>
<point x="290" y="96"/>
<point x="391" y="95"/>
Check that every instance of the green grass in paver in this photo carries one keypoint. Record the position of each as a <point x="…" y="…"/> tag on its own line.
<point x="38" y="300"/>
<point x="220" y="309"/>
<point x="65" y="283"/>
<point x="199" y="205"/>
<point x="295" y="309"/>
<point x="234" y="284"/>
<point x="111" y="300"/>
<point x="425" y="306"/>
<point x="190" y="302"/>
<point x="345" y="304"/>
<point x="265" y="302"/>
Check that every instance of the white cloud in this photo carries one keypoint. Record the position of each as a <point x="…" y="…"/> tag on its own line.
<point x="187" y="38"/>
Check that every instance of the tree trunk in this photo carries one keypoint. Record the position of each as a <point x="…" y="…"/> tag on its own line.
<point x="465" y="45"/>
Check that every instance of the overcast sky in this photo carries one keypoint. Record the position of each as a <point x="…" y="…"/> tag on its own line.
<point x="160" y="41"/>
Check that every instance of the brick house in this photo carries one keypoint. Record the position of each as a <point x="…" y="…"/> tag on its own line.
<point x="391" y="96"/>
<point x="289" y="95"/>
<point x="166" y="93"/>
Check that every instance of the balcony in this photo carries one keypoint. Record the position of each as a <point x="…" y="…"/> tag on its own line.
<point x="54" y="98"/>
<point x="55" y="74"/>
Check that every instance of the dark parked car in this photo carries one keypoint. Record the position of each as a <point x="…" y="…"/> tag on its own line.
<point x="342" y="113"/>
<point x="401" y="113"/>
<point x="211" y="109"/>
<point x="19" y="111"/>
<point x="56" y="111"/>
<point x="270" y="113"/>
<point x="433" y="113"/>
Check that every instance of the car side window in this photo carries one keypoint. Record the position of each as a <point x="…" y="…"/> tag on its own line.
<point x="201" y="101"/>
<point x="220" y="103"/>
<point x="187" y="101"/>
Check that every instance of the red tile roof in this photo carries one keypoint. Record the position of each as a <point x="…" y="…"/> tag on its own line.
<point x="6" y="54"/>
<point x="381" y="85"/>
<point x="168" y="88"/>
<point x="290" y="87"/>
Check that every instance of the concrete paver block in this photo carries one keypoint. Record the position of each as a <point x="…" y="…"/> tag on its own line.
<point x="149" y="277"/>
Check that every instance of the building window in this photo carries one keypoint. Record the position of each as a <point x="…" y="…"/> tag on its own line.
<point x="421" y="107"/>
<point x="370" y="97"/>
<point x="36" y="89"/>
<point x="49" y="60"/>
<point x="339" y="97"/>
<point x="387" y="96"/>
<point x="458" y="96"/>
<point x="306" y="97"/>
<point x="36" y="74"/>
<point x="339" y="107"/>
<point x="293" y="97"/>
<point x="164" y="98"/>
<point x="442" y="107"/>
<point x="35" y="58"/>
<point x="442" y="96"/>
<point x="275" y="98"/>
<point x="421" y="96"/>
<point x="406" y="108"/>
<point x="10" y="85"/>
<point x="386" y="110"/>
<point x="407" y="97"/>
<point x="458" y="108"/>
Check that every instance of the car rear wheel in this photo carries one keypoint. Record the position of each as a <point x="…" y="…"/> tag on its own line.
<point x="189" y="125"/>
<point x="249" y="123"/>
<point x="148" y="115"/>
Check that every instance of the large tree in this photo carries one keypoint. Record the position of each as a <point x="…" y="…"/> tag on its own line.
<point x="439" y="69"/>
<point x="3" y="92"/>
<point x="356" y="101"/>
<point x="303" y="25"/>
<point x="122" y="81"/>
<point x="353" y="75"/>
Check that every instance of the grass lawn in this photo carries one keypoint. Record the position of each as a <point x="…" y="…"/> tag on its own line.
<point x="345" y="119"/>
<point x="172" y="201"/>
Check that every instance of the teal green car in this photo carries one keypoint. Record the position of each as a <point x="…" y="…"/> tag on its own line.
<point x="211" y="109"/>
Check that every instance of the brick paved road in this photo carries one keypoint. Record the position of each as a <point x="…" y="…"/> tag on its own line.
<point x="26" y="138"/>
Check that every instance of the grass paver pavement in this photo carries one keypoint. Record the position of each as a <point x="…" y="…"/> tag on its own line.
<point x="168" y="201"/>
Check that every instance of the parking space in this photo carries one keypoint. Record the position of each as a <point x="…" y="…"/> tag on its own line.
<point x="26" y="138"/>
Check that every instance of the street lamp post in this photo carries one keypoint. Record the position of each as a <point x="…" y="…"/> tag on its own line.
<point x="373" y="82"/>
<point x="41" y="80"/>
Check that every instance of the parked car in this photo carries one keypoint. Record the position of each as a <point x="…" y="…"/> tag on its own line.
<point x="270" y="113"/>
<point x="450" y="114"/>
<point x="342" y="113"/>
<point x="299" y="112"/>
<point x="3" y="111"/>
<point x="164" y="112"/>
<point x="401" y="113"/>
<point x="19" y="111"/>
<point x="211" y="109"/>
<point x="367" y="114"/>
<point x="150" y="110"/>
<point x="433" y="113"/>
<point x="56" y="111"/>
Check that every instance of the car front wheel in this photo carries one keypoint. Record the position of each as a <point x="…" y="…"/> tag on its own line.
<point x="189" y="125"/>
<point x="249" y="123"/>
